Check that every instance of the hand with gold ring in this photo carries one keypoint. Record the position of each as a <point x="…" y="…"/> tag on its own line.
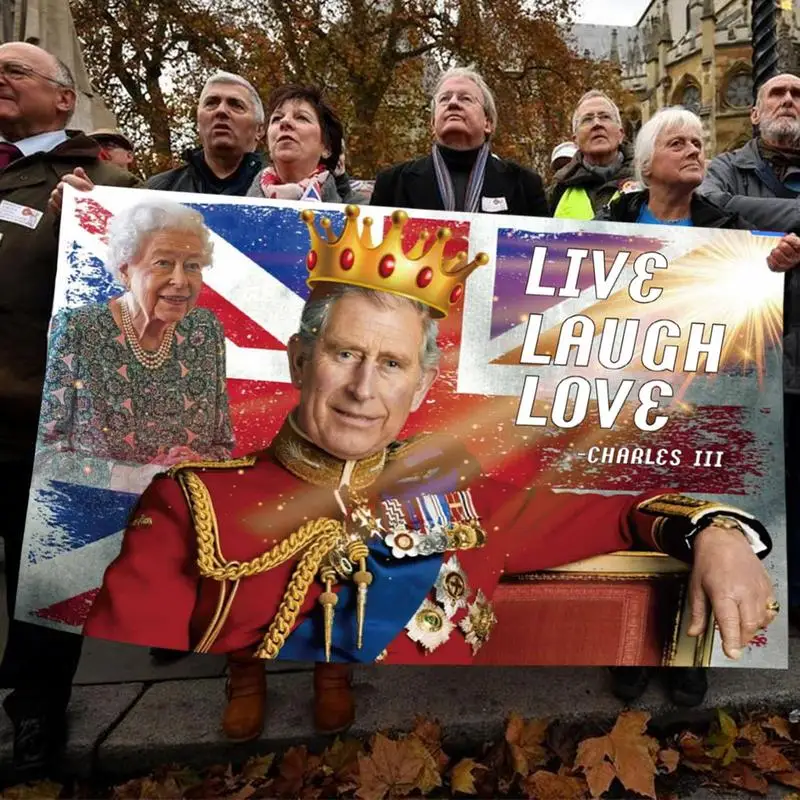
<point x="730" y="578"/>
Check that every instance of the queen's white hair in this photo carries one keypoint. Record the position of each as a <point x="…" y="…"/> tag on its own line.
<point x="230" y="77"/>
<point x="667" y="120"/>
<point x="129" y="230"/>
<point x="470" y="74"/>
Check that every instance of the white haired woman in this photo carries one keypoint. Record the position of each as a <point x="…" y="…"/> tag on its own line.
<point x="141" y="378"/>
<point x="669" y="159"/>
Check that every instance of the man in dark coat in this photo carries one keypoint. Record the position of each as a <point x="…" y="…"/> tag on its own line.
<point x="761" y="181"/>
<point x="230" y="123"/>
<point x="37" y="98"/>
<point x="462" y="173"/>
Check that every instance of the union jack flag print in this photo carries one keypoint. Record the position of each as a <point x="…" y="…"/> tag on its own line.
<point x="256" y="288"/>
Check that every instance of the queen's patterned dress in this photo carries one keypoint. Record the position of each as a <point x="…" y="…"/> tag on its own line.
<point x="99" y="401"/>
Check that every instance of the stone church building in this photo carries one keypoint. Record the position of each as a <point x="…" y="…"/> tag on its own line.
<point x="695" y="53"/>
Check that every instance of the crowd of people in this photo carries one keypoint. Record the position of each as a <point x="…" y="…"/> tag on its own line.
<point x="661" y="178"/>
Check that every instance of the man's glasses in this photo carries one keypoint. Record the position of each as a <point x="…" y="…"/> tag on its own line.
<point x="15" y="71"/>
<point x="603" y="117"/>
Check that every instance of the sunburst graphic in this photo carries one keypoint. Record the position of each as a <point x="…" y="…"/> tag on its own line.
<point x="728" y="282"/>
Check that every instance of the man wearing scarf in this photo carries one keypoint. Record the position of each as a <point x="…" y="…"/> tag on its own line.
<point x="761" y="181"/>
<point x="603" y="165"/>
<point x="462" y="173"/>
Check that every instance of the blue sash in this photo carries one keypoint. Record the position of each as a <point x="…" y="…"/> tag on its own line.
<point x="399" y="585"/>
<point x="398" y="588"/>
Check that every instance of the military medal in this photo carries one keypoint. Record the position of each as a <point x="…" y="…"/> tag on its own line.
<point x="403" y="543"/>
<point x="452" y="589"/>
<point x="429" y="626"/>
<point x="477" y="625"/>
<point x="432" y="523"/>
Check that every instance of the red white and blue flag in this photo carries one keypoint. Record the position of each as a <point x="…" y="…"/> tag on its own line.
<point x="256" y="288"/>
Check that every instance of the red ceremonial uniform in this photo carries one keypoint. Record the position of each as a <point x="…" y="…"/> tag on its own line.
<point x="154" y="594"/>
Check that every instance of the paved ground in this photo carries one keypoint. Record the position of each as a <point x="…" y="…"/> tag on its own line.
<point x="128" y="716"/>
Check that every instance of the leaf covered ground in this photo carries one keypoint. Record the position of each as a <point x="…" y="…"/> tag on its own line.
<point x="535" y="759"/>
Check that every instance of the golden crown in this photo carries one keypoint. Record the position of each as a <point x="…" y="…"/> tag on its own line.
<point x="419" y="274"/>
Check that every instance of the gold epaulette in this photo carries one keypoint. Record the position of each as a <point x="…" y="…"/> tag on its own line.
<point x="233" y="463"/>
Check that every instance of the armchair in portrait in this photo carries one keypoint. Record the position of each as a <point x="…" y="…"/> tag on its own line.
<point x="621" y="609"/>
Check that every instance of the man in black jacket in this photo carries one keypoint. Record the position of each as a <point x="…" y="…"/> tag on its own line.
<point x="761" y="181"/>
<point x="230" y="123"/>
<point x="462" y="174"/>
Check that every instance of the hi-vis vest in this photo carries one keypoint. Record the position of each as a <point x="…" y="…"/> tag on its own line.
<point x="575" y="203"/>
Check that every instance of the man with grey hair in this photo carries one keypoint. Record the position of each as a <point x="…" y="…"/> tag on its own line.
<point x="603" y="165"/>
<point x="761" y="181"/>
<point x="462" y="173"/>
<point x="37" y="99"/>
<point x="230" y="123"/>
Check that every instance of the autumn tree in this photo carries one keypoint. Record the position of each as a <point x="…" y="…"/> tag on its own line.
<point x="378" y="61"/>
<point x="147" y="59"/>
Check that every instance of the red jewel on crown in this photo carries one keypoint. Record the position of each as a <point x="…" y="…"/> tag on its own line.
<point x="422" y="272"/>
<point x="457" y="293"/>
<point x="386" y="266"/>
<point x="424" y="277"/>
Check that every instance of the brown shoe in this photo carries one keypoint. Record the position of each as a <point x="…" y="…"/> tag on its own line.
<point x="246" y="689"/>
<point x="334" y="706"/>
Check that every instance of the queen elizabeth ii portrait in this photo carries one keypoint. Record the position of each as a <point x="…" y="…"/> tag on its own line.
<point x="141" y="378"/>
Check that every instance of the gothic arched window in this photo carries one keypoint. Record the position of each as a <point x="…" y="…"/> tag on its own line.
<point x="691" y="98"/>
<point x="739" y="91"/>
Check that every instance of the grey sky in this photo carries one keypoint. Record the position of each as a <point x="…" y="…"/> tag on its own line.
<point x="601" y="12"/>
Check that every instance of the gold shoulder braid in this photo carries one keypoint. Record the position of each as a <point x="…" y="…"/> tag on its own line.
<point x="233" y="463"/>
<point x="328" y="546"/>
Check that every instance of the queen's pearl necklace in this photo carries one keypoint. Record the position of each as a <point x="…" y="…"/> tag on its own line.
<point x="149" y="360"/>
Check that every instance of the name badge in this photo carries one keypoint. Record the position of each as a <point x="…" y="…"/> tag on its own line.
<point x="493" y="204"/>
<point x="19" y="215"/>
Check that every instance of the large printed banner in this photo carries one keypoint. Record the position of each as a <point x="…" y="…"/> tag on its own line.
<point x="587" y="369"/>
